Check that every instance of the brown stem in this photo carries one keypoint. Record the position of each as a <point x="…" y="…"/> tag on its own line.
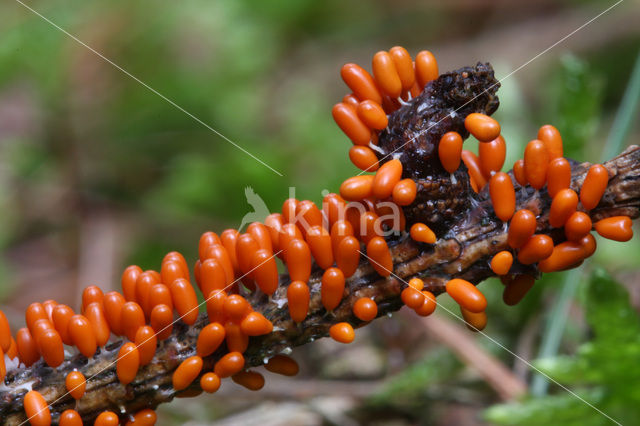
<point x="463" y="252"/>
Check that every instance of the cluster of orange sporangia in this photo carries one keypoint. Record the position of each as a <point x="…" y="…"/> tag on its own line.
<point x="396" y="79"/>
<point x="335" y="237"/>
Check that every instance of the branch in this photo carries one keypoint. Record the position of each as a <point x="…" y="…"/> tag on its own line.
<point x="464" y="252"/>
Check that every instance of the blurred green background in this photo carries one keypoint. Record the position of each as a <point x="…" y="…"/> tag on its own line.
<point x="97" y="172"/>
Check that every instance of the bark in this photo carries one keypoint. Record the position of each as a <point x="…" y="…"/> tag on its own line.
<point x="463" y="252"/>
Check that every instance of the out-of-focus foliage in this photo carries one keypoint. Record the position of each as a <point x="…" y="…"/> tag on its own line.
<point x="604" y="371"/>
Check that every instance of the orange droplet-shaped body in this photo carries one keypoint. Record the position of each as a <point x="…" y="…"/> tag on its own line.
<point x="282" y="364"/>
<point x="501" y="262"/>
<point x="185" y="300"/>
<point x="274" y="223"/>
<point x="538" y="247"/>
<point x="49" y="306"/>
<point x="422" y="233"/>
<point x="564" y="256"/>
<point x="298" y="259"/>
<point x="380" y="256"/>
<point x="186" y="372"/>
<point x="261" y="234"/>
<point x="472" y="163"/>
<point x="491" y="156"/>
<point x="339" y="230"/>
<point x="365" y="309"/>
<point x="215" y="306"/>
<point x="370" y="226"/>
<point x="289" y="207"/>
<point x="289" y="232"/>
<point x="91" y="294"/>
<point x="146" y="280"/>
<point x="175" y="256"/>
<point x="348" y="255"/>
<point x="298" y="300"/>
<point x="386" y="178"/>
<point x="146" y="341"/>
<point x="517" y="288"/>
<point x="127" y="363"/>
<point x="503" y="196"/>
<point x="386" y="75"/>
<point x="70" y="418"/>
<point x="372" y="115"/>
<point x="132" y="319"/>
<point x="593" y="187"/>
<point x="588" y="245"/>
<point x="482" y="127"/>
<point x="360" y="82"/>
<point x="162" y="321"/>
<point x="332" y="288"/>
<point x="51" y="348"/>
<point x="146" y="417"/>
<point x="229" y="238"/>
<point x="552" y="140"/>
<point x="307" y="215"/>
<point x="346" y="117"/>
<point x="521" y="229"/>
<point x="412" y="297"/>
<point x="255" y="324"/>
<point x="61" y="315"/>
<point x="229" y="365"/>
<point x="27" y="347"/>
<point x="246" y="246"/>
<point x="617" y="228"/>
<point x="577" y="226"/>
<point x="466" y="295"/>
<point x="5" y="333"/>
<point x="210" y="382"/>
<point x="75" y="384"/>
<point x="416" y="283"/>
<point x="206" y="239"/>
<point x="35" y="312"/>
<point x="564" y="204"/>
<point x="113" y="303"/>
<point x="342" y="332"/>
<point x="265" y="271"/>
<point x="171" y="271"/>
<point x="536" y="163"/>
<point x="212" y="276"/>
<point x="404" y="193"/>
<point x="319" y="241"/>
<point x="426" y="68"/>
<point x="404" y="66"/>
<point x="94" y="313"/>
<point x="518" y="172"/>
<point x="357" y="188"/>
<point x="363" y="158"/>
<point x="159" y="294"/>
<point x="36" y="409"/>
<point x="107" y="418"/>
<point x="249" y="379"/>
<point x="476" y="321"/>
<point x="333" y="207"/>
<point x="210" y="338"/>
<point x="428" y="306"/>
<point x="236" y="340"/>
<point x="558" y="176"/>
<point x="82" y="335"/>
<point x="350" y="99"/>
<point x="236" y="307"/>
<point x="450" y="151"/>
<point x="128" y="280"/>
